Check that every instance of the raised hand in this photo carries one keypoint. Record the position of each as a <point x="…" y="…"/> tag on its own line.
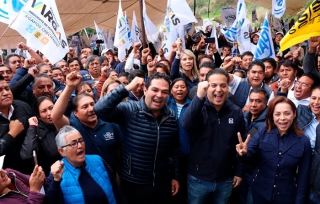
<point x="33" y="121"/>
<point x="73" y="79"/>
<point x="242" y="147"/>
<point x="135" y="83"/>
<point x="145" y="52"/>
<point x="202" y="89"/>
<point x="152" y="67"/>
<point x="314" y="42"/>
<point x="23" y="46"/>
<point x="33" y="71"/>
<point x="284" y="85"/>
<point x="57" y="170"/>
<point x="36" y="179"/>
<point x="29" y="62"/>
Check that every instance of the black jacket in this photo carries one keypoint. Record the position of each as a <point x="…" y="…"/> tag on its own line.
<point x="41" y="139"/>
<point x="150" y="146"/>
<point x="10" y="146"/>
<point x="214" y="137"/>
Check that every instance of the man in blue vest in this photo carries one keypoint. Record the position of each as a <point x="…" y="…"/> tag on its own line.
<point x="240" y="87"/>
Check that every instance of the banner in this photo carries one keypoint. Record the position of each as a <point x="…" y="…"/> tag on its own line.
<point x="243" y="25"/>
<point x="121" y="39"/>
<point x="39" y="23"/>
<point x="179" y="13"/>
<point x="231" y="33"/>
<point x="308" y="25"/>
<point x="151" y="29"/>
<point x="229" y="15"/>
<point x="278" y="8"/>
<point x="9" y="9"/>
<point x="265" y="47"/>
<point x="135" y="30"/>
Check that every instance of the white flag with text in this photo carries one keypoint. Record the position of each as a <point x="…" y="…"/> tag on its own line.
<point x="278" y="8"/>
<point x="40" y="24"/>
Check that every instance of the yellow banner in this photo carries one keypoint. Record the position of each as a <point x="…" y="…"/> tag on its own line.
<point x="308" y="25"/>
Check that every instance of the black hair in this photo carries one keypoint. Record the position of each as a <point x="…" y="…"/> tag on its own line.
<point x="258" y="63"/>
<point x="177" y="80"/>
<point x="123" y="74"/>
<point x="314" y="78"/>
<point x="75" y="59"/>
<point x="76" y="99"/>
<point x="240" y="71"/>
<point x="158" y="76"/>
<point x="271" y="61"/>
<point x="57" y="68"/>
<point x="79" y="87"/>
<point x="135" y="73"/>
<point x="205" y="56"/>
<point x="261" y="90"/>
<point x="102" y="58"/>
<point x="210" y="65"/>
<point x="218" y="71"/>
<point x="40" y="65"/>
<point x="4" y="65"/>
<point x="288" y="63"/>
<point x="164" y="67"/>
<point x="11" y="55"/>
<point x="246" y="53"/>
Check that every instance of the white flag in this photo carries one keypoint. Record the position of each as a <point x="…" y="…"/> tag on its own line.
<point x="109" y="40"/>
<point x="264" y="47"/>
<point x="99" y="34"/>
<point x="179" y="13"/>
<point x="135" y="30"/>
<point x="228" y="15"/>
<point x="278" y="8"/>
<point x="121" y="39"/>
<point x="39" y="23"/>
<point x="231" y="33"/>
<point x="128" y="31"/>
<point x="243" y="24"/>
<point x="104" y="37"/>
<point x="9" y="9"/>
<point x="151" y="29"/>
<point x="214" y="35"/>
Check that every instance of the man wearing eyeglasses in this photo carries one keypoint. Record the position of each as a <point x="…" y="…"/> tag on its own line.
<point x="302" y="89"/>
<point x="80" y="178"/>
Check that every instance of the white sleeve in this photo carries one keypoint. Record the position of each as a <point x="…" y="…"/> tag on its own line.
<point x="129" y="63"/>
<point x="233" y="85"/>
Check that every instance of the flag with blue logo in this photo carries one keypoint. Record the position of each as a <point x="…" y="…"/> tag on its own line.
<point x="9" y="9"/>
<point x="39" y="23"/>
<point x="278" y="8"/>
<point x="151" y="29"/>
<point x="243" y="25"/>
<point x="264" y="47"/>
<point x="231" y="33"/>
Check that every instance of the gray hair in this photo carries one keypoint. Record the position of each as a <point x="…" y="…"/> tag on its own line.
<point x="56" y="64"/>
<point x="63" y="133"/>
<point x="42" y="75"/>
<point x="91" y="59"/>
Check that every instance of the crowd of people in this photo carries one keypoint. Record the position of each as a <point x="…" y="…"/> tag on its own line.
<point x="197" y="127"/>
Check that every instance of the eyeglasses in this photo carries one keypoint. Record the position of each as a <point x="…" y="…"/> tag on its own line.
<point x="74" y="143"/>
<point x="298" y="83"/>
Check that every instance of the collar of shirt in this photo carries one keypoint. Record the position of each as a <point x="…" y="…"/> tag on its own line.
<point x="11" y="109"/>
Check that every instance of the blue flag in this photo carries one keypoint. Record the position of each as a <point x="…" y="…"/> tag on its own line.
<point x="265" y="44"/>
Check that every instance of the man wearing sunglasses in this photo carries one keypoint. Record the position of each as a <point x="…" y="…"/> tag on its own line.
<point x="80" y="178"/>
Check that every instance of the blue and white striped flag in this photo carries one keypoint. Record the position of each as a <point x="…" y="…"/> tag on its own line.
<point x="264" y="47"/>
<point x="9" y="9"/>
<point x="278" y="8"/>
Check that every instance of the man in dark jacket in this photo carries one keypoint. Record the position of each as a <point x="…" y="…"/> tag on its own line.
<point x="213" y="122"/>
<point x="14" y="117"/>
<point x="150" y="146"/>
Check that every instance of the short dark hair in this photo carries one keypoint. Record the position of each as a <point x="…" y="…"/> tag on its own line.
<point x="76" y="99"/>
<point x="314" y="78"/>
<point x="312" y="89"/>
<point x="205" y="56"/>
<point x="218" y="71"/>
<point x="102" y="58"/>
<point x="4" y="65"/>
<point x="210" y="65"/>
<point x="123" y="74"/>
<point x="75" y="59"/>
<point x="263" y="91"/>
<point x="271" y="61"/>
<point x="164" y="67"/>
<point x="135" y="73"/>
<point x="177" y="80"/>
<point x="158" y="76"/>
<point x="11" y="55"/>
<point x="288" y="63"/>
<point x="79" y="87"/>
<point x="258" y="63"/>
<point x="246" y="53"/>
<point x="57" y="68"/>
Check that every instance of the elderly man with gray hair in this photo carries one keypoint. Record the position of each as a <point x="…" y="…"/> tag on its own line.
<point x="80" y="178"/>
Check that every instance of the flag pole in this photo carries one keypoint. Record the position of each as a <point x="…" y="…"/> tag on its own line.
<point x="144" y="44"/>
